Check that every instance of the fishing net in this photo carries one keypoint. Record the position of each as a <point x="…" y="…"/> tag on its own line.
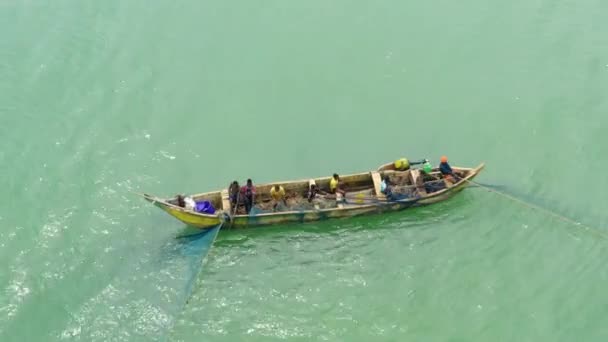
<point x="294" y="203"/>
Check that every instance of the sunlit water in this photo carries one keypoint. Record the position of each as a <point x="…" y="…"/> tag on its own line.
<point x="101" y="99"/>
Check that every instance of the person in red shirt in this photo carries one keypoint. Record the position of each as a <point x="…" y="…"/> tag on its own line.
<point x="248" y="195"/>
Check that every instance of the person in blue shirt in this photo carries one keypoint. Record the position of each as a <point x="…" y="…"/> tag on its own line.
<point x="446" y="170"/>
<point x="444" y="167"/>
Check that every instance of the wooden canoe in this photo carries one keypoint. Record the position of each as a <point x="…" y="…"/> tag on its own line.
<point x="363" y="197"/>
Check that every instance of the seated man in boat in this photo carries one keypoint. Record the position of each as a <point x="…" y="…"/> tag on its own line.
<point x="313" y="190"/>
<point x="277" y="193"/>
<point x="248" y="195"/>
<point x="386" y="187"/>
<point x="446" y="171"/>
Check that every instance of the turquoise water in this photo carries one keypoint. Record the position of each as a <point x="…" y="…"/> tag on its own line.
<point x="100" y="99"/>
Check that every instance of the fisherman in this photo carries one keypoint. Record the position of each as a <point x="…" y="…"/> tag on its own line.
<point x="335" y="187"/>
<point x="446" y="171"/>
<point x="277" y="193"/>
<point x="313" y="191"/>
<point x="233" y="194"/>
<point x="386" y="188"/>
<point x="248" y="195"/>
<point x="445" y="168"/>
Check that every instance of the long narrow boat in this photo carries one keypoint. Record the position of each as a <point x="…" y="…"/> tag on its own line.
<point x="363" y="196"/>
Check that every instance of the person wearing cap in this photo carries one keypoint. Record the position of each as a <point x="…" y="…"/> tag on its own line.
<point x="446" y="171"/>
<point x="427" y="168"/>
<point x="444" y="167"/>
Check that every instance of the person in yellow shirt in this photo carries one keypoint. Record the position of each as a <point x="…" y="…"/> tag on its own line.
<point x="277" y="193"/>
<point x="335" y="186"/>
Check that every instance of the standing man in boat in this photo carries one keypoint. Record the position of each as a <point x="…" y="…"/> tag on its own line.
<point x="248" y="195"/>
<point x="233" y="194"/>
<point x="335" y="187"/>
<point x="277" y="193"/>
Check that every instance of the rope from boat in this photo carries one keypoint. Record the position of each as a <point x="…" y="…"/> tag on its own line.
<point x="531" y="206"/>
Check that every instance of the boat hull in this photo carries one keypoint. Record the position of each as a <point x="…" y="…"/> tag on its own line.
<point x="317" y="215"/>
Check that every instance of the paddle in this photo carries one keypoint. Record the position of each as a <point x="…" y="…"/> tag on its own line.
<point x="419" y="162"/>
